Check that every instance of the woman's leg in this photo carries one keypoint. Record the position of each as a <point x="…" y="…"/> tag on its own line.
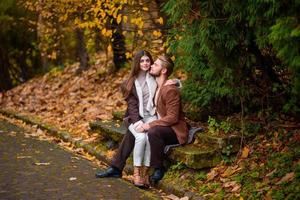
<point x="138" y="155"/>
<point x="139" y="147"/>
<point x="147" y="153"/>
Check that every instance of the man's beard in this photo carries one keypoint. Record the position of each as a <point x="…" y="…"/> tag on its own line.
<point x="155" y="74"/>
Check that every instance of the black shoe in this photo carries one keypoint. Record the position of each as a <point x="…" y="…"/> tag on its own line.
<point x="109" y="172"/>
<point x="157" y="175"/>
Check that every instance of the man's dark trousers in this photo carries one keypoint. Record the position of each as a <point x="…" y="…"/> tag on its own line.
<point x="159" y="137"/>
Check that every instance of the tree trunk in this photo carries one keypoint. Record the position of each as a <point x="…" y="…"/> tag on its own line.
<point x="118" y="45"/>
<point x="81" y="51"/>
<point x="23" y="68"/>
<point x="40" y="32"/>
<point x="98" y="40"/>
<point x="5" y="80"/>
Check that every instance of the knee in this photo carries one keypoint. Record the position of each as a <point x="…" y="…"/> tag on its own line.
<point x="141" y="137"/>
<point x="153" y="133"/>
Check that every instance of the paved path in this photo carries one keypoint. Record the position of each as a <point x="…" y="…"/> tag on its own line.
<point x="34" y="169"/>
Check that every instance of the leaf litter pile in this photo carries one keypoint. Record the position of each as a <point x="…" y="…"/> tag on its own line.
<point x="67" y="100"/>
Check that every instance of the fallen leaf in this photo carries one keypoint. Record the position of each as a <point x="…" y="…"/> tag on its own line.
<point x="172" y="197"/>
<point x="230" y="170"/>
<point x="41" y="163"/>
<point x="229" y="184"/>
<point x="211" y="175"/>
<point x="268" y="196"/>
<point x="245" y="152"/>
<point x="288" y="177"/>
<point x="236" y="188"/>
<point x="21" y="157"/>
<point x="184" y="198"/>
<point x="271" y="173"/>
<point x="72" y="178"/>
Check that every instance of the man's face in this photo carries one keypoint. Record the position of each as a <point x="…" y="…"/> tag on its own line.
<point x="156" y="68"/>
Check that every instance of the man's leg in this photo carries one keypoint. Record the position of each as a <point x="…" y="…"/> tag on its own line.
<point x="119" y="160"/>
<point x="159" y="137"/>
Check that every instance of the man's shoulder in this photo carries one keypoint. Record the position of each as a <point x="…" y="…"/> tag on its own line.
<point x="169" y="88"/>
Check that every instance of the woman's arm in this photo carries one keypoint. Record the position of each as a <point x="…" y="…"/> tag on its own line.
<point x="132" y="109"/>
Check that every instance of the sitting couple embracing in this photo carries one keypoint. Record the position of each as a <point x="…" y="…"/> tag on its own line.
<point x="154" y="119"/>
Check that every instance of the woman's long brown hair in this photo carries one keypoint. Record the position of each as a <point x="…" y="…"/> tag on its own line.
<point x="135" y="68"/>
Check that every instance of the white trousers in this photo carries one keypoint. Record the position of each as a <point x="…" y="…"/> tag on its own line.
<point x="141" y="151"/>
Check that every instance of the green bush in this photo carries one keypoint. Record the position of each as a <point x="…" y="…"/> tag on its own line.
<point x="237" y="53"/>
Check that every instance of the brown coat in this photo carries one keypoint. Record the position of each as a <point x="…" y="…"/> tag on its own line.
<point x="169" y="109"/>
<point x="132" y="111"/>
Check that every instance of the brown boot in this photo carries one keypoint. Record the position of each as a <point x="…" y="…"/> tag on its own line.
<point x="146" y="176"/>
<point x="137" y="176"/>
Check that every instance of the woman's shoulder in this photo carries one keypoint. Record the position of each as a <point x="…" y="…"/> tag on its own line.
<point x="124" y="86"/>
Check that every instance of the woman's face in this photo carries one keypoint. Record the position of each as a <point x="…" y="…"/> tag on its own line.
<point x="145" y="63"/>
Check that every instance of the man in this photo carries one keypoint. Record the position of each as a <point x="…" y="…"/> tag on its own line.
<point x="171" y="127"/>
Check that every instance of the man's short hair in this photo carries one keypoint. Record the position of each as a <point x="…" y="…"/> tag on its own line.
<point x="168" y="63"/>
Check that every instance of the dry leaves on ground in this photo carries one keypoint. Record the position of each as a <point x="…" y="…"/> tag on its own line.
<point x="67" y="100"/>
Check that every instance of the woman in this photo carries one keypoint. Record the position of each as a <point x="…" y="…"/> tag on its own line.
<point x="143" y="86"/>
<point x="140" y="87"/>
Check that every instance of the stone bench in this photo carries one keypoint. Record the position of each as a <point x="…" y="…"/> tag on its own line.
<point x="197" y="156"/>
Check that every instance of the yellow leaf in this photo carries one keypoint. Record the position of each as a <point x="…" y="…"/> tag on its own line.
<point x="109" y="33"/>
<point x="119" y="18"/>
<point x="156" y="33"/>
<point x="125" y="18"/>
<point x="160" y="20"/>
<point x="140" y="32"/>
<point x="109" y="48"/>
<point x="103" y="31"/>
<point x="128" y="55"/>
<point x="245" y="152"/>
<point x="53" y="55"/>
<point x="103" y="14"/>
<point x="63" y="18"/>
<point x="139" y="22"/>
<point x="145" y="8"/>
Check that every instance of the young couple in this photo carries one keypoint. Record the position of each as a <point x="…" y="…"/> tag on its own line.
<point x="154" y="119"/>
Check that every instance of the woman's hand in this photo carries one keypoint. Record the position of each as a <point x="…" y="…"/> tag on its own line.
<point x="139" y="128"/>
<point x="171" y="82"/>
<point x="146" y="126"/>
<point x="175" y="82"/>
